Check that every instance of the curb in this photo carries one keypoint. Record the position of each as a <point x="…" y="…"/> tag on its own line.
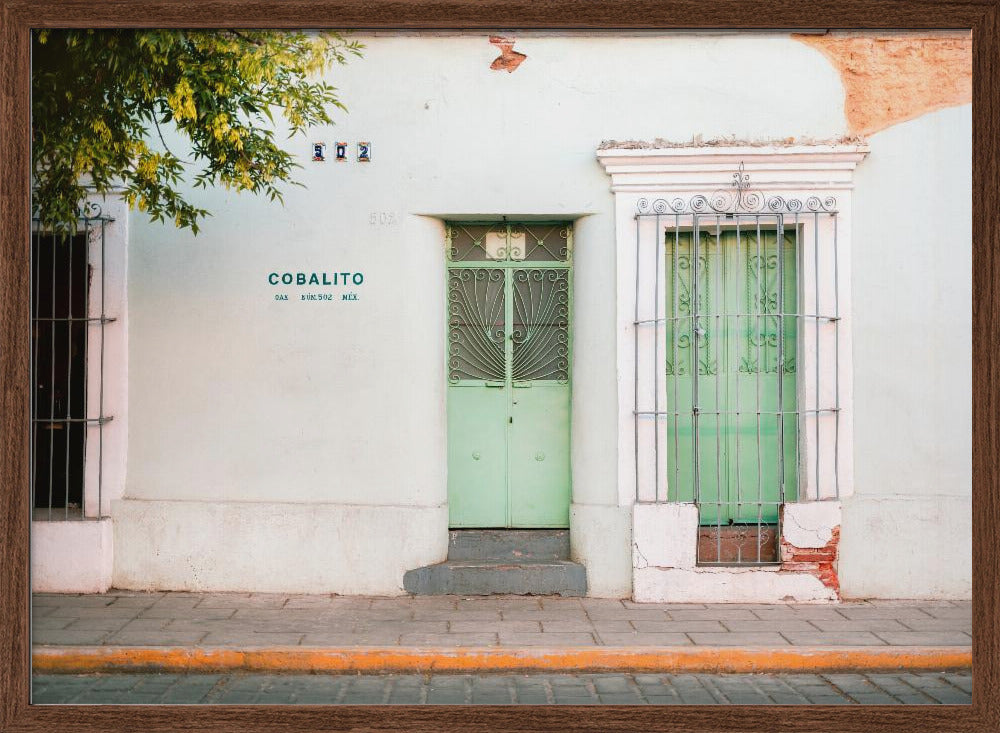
<point x="76" y="660"/>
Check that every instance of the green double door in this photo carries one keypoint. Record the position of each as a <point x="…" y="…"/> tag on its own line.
<point x="509" y="304"/>
<point x="731" y="355"/>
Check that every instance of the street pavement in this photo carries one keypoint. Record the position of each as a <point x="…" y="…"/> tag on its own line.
<point x="535" y="689"/>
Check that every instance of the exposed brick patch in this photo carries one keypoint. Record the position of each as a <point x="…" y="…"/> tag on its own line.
<point x="818" y="561"/>
<point x="509" y="59"/>
<point x="891" y="78"/>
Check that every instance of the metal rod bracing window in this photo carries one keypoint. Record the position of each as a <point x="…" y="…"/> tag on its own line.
<point x="739" y="411"/>
<point x="67" y="400"/>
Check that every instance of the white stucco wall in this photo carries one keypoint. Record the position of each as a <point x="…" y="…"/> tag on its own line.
<point x="244" y="410"/>
<point x="907" y="528"/>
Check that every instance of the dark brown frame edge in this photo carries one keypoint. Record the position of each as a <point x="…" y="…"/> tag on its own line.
<point x="17" y="17"/>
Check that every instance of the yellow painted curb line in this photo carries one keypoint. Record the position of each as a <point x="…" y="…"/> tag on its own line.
<point x="495" y="659"/>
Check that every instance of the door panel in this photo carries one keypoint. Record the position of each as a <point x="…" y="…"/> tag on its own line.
<point x="729" y="316"/>
<point x="539" y="456"/>
<point x="477" y="456"/>
<point x="508" y="371"/>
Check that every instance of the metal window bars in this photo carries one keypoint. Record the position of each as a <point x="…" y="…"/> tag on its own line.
<point x="737" y="354"/>
<point x="67" y="323"/>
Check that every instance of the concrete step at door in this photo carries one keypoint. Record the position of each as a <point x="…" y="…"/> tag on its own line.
<point x="509" y="545"/>
<point x="485" y="577"/>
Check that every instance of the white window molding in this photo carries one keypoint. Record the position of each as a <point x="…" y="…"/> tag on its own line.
<point x="673" y="175"/>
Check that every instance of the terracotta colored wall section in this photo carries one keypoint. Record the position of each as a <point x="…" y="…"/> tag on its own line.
<point x="892" y="78"/>
<point x="819" y="561"/>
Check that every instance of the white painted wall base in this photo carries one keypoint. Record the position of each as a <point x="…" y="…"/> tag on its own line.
<point x="272" y="547"/>
<point x="666" y="570"/>
<point x="906" y="547"/>
<point x="727" y="585"/>
<point x="600" y="537"/>
<point x="71" y="557"/>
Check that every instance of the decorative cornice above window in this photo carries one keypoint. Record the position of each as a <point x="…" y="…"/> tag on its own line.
<point x="705" y="170"/>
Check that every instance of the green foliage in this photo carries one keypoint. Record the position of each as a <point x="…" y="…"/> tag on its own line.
<point x="100" y="97"/>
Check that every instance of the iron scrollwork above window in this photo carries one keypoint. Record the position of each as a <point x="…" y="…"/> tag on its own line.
<point x="739" y="198"/>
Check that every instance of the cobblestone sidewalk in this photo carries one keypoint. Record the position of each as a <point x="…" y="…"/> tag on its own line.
<point x="564" y="689"/>
<point x="257" y="620"/>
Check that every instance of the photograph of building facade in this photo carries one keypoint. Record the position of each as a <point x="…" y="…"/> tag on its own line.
<point x="667" y="317"/>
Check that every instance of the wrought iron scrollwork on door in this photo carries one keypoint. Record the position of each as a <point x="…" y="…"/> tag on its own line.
<point x="476" y="324"/>
<point x="540" y="331"/>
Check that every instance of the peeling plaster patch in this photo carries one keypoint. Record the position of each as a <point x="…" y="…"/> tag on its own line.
<point x="509" y="59"/>
<point x="893" y="78"/>
<point x="697" y="141"/>
<point x="820" y="562"/>
<point x="809" y="523"/>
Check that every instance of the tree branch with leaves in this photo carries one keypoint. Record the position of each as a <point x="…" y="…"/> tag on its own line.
<point x="100" y="99"/>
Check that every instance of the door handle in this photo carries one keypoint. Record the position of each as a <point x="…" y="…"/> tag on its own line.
<point x="495" y="385"/>
<point x="522" y="385"/>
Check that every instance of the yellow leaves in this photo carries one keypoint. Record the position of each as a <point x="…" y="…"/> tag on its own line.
<point x="101" y="130"/>
<point x="181" y="101"/>
<point x="220" y="127"/>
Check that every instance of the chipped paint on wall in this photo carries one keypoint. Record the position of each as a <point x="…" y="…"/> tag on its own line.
<point x="509" y="59"/>
<point x="810" y="540"/>
<point x="891" y="78"/>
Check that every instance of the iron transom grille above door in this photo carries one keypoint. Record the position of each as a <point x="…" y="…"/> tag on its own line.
<point x="509" y="307"/>
<point x="737" y="401"/>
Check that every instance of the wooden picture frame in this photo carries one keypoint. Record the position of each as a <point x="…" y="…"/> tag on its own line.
<point x="18" y="17"/>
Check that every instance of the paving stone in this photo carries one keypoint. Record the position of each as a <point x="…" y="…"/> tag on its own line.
<point x="833" y="638"/>
<point x="553" y="639"/>
<point x="628" y="614"/>
<point x="347" y="639"/>
<point x="45" y="624"/>
<point x="680" y="627"/>
<point x="926" y="638"/>
<point x="450" y="639"/>
<point x="934" y="624"/>
<point x="940" y="690"/>
<point x="142" y="601"/>
<point x="201" y="614"/>
<point x="76" y="600"/>
<point x="776" y="616"/>
<point x="498" y="603"/>
<point x="452" y="615"/>
<point x="664" y="606"/>
<point x="733" y="615"/>
<point x="643" y="639"/>
<point x="68" y="637"/>
<point x="500" y="626"/>
<point x="739" y="638"/>
<point x="955" y="612"/>
<point x="868" y="624"/>
<point x="100" y="623"/>
<point x="160" y="638"/>
<point x="146" y="624"/>
<point x="599" y="625"/>
<point x="576" y="625"/>
<point x="101" y="611"/>
<point x="546" y="614"/>
<point x="740" y="624"/>
<point x="251" y="640"/>
<point x="870" y="612"/>
<point x="961" y="681"/>
<point x="178" y="603"/>
<point x="408" y="627"/>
